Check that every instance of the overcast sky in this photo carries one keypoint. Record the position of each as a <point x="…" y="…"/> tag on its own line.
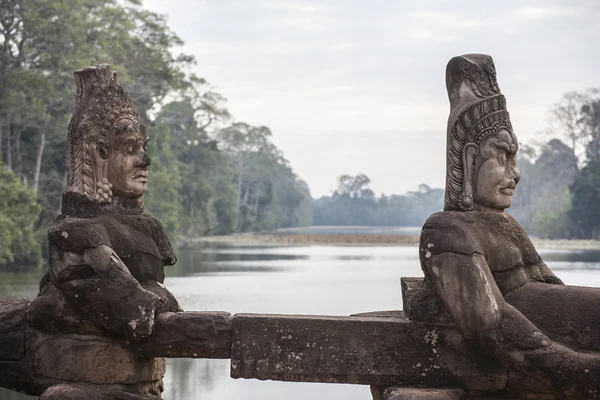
<point x="358" y="86"/>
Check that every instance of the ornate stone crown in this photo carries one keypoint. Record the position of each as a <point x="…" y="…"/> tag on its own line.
<point x="477" y="111"/>
<point x="102" y="108"/>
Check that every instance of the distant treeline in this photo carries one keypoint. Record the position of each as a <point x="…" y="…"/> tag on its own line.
<point x="353" y="203"/>
<point x="558" y="195"/>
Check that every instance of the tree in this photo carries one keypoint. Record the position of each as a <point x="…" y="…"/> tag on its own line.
<point x="573" y="118"/>
<point x="18" y="213"/>
<point x="542" y="198"/>
<point x="585" y="211"/>
<point x="245" y="146"/>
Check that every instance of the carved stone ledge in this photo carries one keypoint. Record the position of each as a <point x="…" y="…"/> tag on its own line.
<point x="188" y="334"/>
<point x="378" y="351"/>
<point x="403" y="393"/>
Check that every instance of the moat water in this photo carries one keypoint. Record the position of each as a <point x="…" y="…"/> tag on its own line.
<point x="332" y="280"/>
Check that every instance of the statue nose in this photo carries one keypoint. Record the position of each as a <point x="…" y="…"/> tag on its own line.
<point x="144" y="160"/>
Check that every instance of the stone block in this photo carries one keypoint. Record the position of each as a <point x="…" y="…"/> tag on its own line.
<point x="13" y="314"/>
<point x="89" y="359"/>
<point x="18" y="376"/>
<point x="379" y="351"/>
<point x="405" y="393"/>
<point x="188" y="334"/>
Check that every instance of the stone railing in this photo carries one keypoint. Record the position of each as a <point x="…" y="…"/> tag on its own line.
<point x="411" y="354"/>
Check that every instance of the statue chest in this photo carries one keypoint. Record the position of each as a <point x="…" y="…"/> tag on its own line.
<point x="140" y="254"/>
<point x="513" y="263"/>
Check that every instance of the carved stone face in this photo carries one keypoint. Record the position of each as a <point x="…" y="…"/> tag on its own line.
<point x="128" y="161"/>
<point x="497" y="176"/>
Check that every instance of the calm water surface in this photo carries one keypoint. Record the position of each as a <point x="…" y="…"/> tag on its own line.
<point x="333" y="280"/>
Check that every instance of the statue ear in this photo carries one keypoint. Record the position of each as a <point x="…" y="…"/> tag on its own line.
<point x="469" y="154"/>
<point x="102" y="152"/>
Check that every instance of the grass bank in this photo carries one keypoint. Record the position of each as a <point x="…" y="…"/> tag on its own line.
<point x="259" y="239"/>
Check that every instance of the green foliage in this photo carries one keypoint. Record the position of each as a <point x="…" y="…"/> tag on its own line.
<point x="585" y="212"/>
<point x="194" y="187"/>
<point x="542" y="198"/>
<point x="19" y="211"/>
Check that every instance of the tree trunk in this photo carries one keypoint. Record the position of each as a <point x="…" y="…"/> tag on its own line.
<point x="256" y="202"/>
<point x="238" y="201"/>
<point x="18" y="156"/>
<point x="1" y="138"/>
<point x="9" y="147"/>
<point x="38" y="162"/>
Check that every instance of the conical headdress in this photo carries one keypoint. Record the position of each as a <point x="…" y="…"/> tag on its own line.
<point x="477" y="111"/>
<point x="101" y="107"/>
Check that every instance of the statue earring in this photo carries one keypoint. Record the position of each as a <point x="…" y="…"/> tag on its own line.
<point x="103" y="192"/>
<point x="466" y="201"/>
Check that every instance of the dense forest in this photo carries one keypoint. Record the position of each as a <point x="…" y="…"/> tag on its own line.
<point x="212" y="174"/>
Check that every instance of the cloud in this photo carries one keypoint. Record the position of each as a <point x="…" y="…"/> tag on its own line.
<point x="296" y="7"/>
<point x="205" y="48"/>
<point x="346" y="46"/>
<point x="549" y="12"/>
<point x="446" y="18"/>
<point x="275" y="47"/>
<point x="422" y="34"/>
<point x="306" y="23"/>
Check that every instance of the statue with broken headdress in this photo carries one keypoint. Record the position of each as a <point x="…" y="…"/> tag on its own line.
<point x="104" y="285"/>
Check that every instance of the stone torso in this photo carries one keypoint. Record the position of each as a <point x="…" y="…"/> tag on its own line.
<point x="508" y="251"/>
<point x="138" y="240"/>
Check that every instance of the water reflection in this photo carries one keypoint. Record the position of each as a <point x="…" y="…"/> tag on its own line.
<point x="20" y="285"/>
<point x="300" y="279"/>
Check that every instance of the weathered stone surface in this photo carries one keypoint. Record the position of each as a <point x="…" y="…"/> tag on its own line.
<point x="360" y="350"/>
<point x="421" y="303"/>
<point x="18" y="376"/>
<point x="13" y="314"/>
<point x="188" y="334"/>
<point x="481" y="263"/>
<point x="404" y="393"/>
<point x="52" y="311"/>
<point x="90" y="359"/>
<point x="77" y="391"/>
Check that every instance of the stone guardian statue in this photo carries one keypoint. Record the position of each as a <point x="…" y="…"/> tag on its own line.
<point x="502" y="296"/>
<point x="104" y="285"/>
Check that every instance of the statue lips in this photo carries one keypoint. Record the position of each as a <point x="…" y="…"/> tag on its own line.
<point x="141" y="176"/>
<point x="508" y="189"/>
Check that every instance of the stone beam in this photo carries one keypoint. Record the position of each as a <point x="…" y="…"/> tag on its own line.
<point x="188" y="334"/>
<point x="368" y="350"/>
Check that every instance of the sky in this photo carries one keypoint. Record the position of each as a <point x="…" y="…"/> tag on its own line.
<point x="358" y="86"/>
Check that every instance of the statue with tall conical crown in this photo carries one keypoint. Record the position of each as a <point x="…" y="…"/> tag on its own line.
<point x="497" y="289"/>
<point x="104" y="285"/>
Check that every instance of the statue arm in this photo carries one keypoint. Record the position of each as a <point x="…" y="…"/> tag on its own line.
<point x="99" y="284"/>
<point x="548" y="275"/>
<point x="471" y="296"/>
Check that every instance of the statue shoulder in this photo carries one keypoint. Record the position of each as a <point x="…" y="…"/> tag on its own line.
<point x="158" y="234"/>
<point x="450" y="232"/>
<point x="78" y="234"/>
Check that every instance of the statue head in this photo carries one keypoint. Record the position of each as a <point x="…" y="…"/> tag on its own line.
<point x="106" y="141"/>
<point x="481" y="172"/>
